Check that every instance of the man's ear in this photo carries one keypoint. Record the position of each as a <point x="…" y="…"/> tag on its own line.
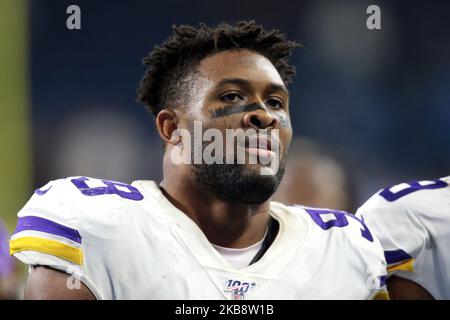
<point x="167" y="124"/>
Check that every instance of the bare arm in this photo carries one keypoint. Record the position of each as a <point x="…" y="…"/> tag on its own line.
<point x="403" y="289"/>
<point x="48" y="284"/>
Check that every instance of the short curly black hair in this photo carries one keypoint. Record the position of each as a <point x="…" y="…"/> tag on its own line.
<point x="168" y="77"/>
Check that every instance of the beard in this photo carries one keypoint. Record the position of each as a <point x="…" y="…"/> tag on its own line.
<point x="237" y="183"/>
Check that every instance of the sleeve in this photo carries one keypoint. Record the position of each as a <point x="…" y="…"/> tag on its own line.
<point x="363" y="251"/>
<point x="47" y="232"/>
<point x="401" y="234"/>
<point x="368" y="250"/>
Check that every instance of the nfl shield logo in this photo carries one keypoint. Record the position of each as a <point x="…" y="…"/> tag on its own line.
<point x="238" y="288"/>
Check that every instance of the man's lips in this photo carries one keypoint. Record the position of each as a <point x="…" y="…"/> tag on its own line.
<point x="260" y="146"/>
<point x="261" y="152"/>
<point x="259" y="142"/>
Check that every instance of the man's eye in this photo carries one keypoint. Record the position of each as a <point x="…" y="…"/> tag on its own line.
<point x="275" y="103"/>
<point x="231" y="97"/>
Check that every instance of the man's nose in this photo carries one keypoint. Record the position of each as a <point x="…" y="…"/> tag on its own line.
<point x="260" y="119"/>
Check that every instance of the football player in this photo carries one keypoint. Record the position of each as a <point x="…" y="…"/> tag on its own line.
<point x="412" y="221"/>
<point x="207" y="230"/>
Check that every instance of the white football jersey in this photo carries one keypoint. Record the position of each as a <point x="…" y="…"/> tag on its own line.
<point x="412" y="221"/>
<point x="129" y="242"/>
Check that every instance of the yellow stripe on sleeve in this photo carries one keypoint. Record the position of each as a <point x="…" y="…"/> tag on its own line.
<point x="52" y="247"/>
<point x="404" y="266"/>
<point x="382" y="295"/>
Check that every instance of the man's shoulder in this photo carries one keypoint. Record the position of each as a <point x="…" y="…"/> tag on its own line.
<point x="331" y="224"/>
<point x="403" y="199"/>
<point x="69" y="218"/>
<point x="78" y="201"/>
<point x="341" y="236"/>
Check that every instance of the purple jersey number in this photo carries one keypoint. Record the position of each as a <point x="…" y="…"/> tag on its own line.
<point x="111" y="187"/>
<point x="390" y="195"/>
<point x="340" y="220"/>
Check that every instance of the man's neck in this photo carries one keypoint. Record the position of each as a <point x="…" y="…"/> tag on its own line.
<point x="232" y="225"/>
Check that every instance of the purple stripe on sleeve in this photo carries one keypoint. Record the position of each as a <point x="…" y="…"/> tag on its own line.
<point x="382" y="281"/>
<point x="48" y="226"/>
<point x="41" y="192"/>
<point x="396" y="256"/>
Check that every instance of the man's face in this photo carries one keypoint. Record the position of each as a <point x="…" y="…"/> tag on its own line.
<point x="241" y="90"/>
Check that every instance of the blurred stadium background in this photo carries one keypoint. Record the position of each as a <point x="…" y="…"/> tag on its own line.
<point x="377" y="102"/>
